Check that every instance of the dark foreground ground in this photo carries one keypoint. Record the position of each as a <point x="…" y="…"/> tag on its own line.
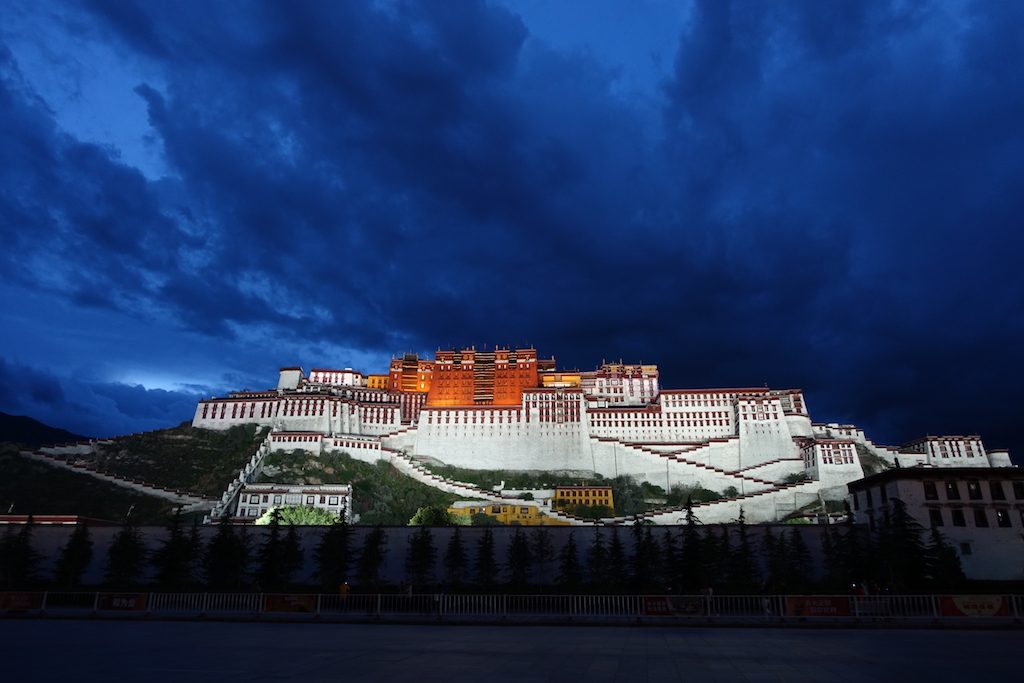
<point x="206" y="651"/>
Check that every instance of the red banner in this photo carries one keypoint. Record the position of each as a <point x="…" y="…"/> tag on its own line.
<point x="818" y="606"/>
<point x="974" y="606"/>
<point x="289" y="603"/>
<point x="21" y="601"/>
<point x="123" y="602"/>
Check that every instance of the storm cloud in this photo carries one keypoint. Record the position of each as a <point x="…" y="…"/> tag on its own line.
<point x="825" y="195"/>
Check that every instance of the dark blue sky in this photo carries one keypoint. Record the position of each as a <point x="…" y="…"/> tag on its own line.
<point x="817" y="194"/>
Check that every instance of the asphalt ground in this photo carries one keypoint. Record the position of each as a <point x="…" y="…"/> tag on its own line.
<point x="96" y="650"/>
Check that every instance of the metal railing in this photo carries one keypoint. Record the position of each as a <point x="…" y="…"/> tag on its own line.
<point x="518" y="607"/>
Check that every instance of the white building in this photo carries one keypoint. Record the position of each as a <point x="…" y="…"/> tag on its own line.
<point x="980" y="511"/>
<point x="618" y="421"/>
<point x="256" y="499"/>
<point x="346" y="377"/>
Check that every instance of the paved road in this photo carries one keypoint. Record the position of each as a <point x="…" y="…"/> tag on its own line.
<point x="226" y="652"/>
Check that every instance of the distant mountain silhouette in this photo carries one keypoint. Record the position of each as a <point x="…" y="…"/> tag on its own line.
<point x="31" y="432"/>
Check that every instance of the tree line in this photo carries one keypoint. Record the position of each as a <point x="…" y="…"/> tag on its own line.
<point x="900" y="556"/>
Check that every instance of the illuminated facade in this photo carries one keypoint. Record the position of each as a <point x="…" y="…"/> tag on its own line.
<point x="526" y="513"/>
<point x="583" y="495"/>
<point x="509" y="409"/>
<point x="255" y="500"/>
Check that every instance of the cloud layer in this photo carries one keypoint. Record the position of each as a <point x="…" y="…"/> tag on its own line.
<point x="823" y="195"/>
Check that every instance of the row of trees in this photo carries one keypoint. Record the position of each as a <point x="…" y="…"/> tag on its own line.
<point x="642" y="558"/>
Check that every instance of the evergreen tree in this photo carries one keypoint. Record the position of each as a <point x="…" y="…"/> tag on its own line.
<point x="226" y="560"/>
<point x="371" y="559"/>
<point x="543" y="553"/>
<point x="901" y="549"/>
<point x="270" y="575"/>
<point x="195" y="553"/>
<point x="333" y="555"/>
<point x="670" y="561"/>
<point x="485" y="565"/>
<point x="292" y="551"/>
<point x="799" y="561"/>
<point x="455" y="560"/>
<point x="854" y="553"/>
<point x="641" y="561"/>
<point x="716" y="556"/>
<point x="569" y="574"/>
<point x="723" y="554"/>
<point x="692" y="574"/>
<point x="943" y="563"/>
<point x="744" y="575"/>
<point x="18" y="558"/>
<point x="126" y="558"/>
<point x="597" y="563"/>
<point x="775" y="555"/>
<point x="74" y="558"/>
<point x="654" y="558"/>
<point x="835" y="575"/>
<point x="174" y="557"/>
<point x="419" y="562"/>
<point x="618" y="577"/>
<point x="519" y="560"/>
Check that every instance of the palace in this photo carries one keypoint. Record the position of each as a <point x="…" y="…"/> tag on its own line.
<point x="510" y="409"/>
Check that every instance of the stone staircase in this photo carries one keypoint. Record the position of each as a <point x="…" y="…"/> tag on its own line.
<point x="246" y="475"/>
<point x="189" y="501"/>
<point x="788" y="492"/>
<point x="411" y="467"/>
<point x="673" y="456"/>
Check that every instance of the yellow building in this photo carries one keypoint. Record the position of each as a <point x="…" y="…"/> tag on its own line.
<point x="377" y="381"/>
<point x="551" y="380"/>
<point x="567" y="496"/>
<point x="526" y="513"/>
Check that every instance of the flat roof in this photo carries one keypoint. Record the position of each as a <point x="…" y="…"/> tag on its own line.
<point x="919" y="473"/>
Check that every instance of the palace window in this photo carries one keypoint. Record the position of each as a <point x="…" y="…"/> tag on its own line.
<point x="935" y="515"/>
<point x="958" y="517"/>
<point x="1003" y="518"/>
<point x="996" y="489"/>
<point x="930" y="492"/>
<point x="974" y="490"/>
<point x="980" y="518"/>
<point x="952" y="491"/>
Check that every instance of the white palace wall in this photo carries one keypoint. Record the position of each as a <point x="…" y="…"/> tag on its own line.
<point x="714" y="438"/>
<point x="694" y="437"/>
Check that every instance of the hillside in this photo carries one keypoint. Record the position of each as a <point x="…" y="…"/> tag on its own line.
<point x="382" y="494"/>
<point x="27" y="431"/>
<point x="28" y="487"/>
<point x="185" y="458"/>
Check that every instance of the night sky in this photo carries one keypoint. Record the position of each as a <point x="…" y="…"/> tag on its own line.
<point x="826" y="195"/>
